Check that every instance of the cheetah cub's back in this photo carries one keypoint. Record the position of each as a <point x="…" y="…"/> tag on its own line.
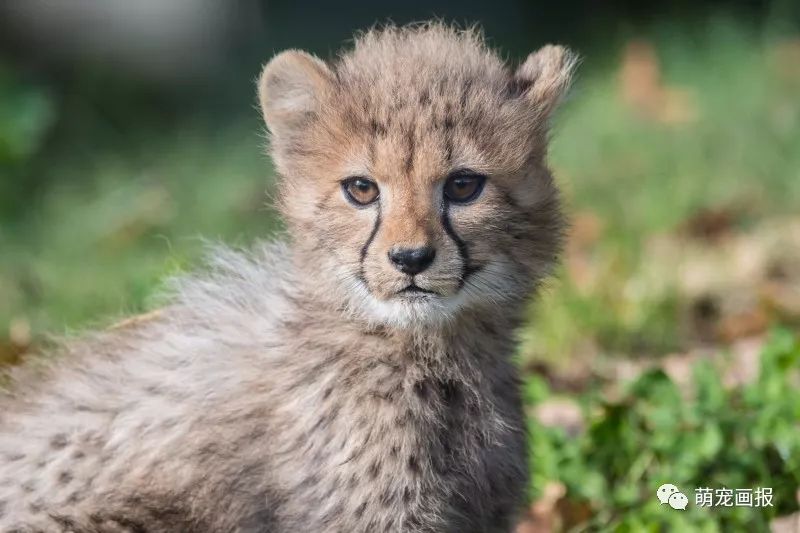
<point x="356" y="377"/>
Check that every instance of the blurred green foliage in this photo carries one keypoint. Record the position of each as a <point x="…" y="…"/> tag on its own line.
<point x="98" y="241"/>
<point x="26" y="113"/>
<point x="711" y="436"/>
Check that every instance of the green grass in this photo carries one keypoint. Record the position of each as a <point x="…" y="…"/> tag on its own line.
<point x="706" y="436"/>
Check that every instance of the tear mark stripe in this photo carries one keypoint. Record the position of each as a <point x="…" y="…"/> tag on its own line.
<point x="467" y="269"/>
<point x="364" y="249"/>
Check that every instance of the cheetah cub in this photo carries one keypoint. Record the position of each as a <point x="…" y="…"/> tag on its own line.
<point x="356" y="378"/>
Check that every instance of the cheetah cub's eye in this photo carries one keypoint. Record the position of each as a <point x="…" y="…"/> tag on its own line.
<point x="361" y="191"/>
<point x="464" y="186"/>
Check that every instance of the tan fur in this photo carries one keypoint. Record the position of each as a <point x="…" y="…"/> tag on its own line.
<point x="296" y="387"/>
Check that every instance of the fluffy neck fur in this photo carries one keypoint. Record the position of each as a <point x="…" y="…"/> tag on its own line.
<point x="381" y="428"/>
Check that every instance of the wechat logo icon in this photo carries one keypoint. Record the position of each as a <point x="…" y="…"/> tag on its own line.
<point x="669" y="494"/>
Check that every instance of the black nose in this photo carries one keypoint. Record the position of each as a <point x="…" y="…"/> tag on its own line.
<point x="412" y="260"/>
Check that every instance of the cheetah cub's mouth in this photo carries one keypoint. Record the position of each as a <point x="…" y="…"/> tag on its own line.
<point x="415" y="291"/>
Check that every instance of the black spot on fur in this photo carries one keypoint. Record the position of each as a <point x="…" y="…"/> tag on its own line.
<point x="425" y="97"/>
<point x="413" y="465"/>
<point x="66" y="523"/>
<point x="322" y="422"/>
<point x="466" y="88"/>
<point x="384" y="396"/>
<point x="387" y="497"/>
<point x="374" y="469"/>
<point x="360" y="509"/>
<point x="59" y="441"/>
<point x="377" y="331"/>
<point x="517" y="87"/>
<point x="377" y="128"/>
<point x="448" y="148"/>
<point x="421" y="390"/>
<point x="450" y="392"/>
<point x="134" y="526"/>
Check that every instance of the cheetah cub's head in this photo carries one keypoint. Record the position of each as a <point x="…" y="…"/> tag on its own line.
<point x="413" y="176"/>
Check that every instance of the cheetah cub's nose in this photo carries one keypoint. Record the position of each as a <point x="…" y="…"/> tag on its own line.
<point x="412" y="260"/>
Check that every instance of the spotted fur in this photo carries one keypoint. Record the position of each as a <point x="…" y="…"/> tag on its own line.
<point x="295" y="387"/>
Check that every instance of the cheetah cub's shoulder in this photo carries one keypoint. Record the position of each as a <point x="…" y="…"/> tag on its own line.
<point x="358" y="376"/>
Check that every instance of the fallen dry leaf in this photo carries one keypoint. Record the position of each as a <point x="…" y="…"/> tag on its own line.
<point x="743" y="324"/>
<point x="562" y="413"/>
<point x="744" y="366"/>
<point x="783" y="299"/>
<point x="542" y="516"/>
<point x="643" y="90"/>
<point x="710" y="224"/>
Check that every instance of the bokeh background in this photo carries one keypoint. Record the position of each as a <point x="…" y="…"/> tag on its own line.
<point x="666" y="349"/>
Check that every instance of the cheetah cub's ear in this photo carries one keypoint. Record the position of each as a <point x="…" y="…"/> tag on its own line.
<point x="291" y="88"/>
<point x="545" y="76"/>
